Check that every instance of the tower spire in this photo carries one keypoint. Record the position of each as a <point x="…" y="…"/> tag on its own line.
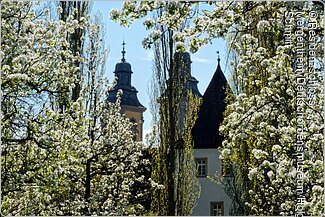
<point x="218" y="58"/>
<point x="123" y="52"/>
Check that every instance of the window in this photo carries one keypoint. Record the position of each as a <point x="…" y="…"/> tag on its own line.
<point x="217" y="208"/>
<point x="202" y="167"/>
<point x="134" y="128"/>
<point x="126" y="79"/>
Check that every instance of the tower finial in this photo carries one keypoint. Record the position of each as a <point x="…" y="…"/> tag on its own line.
<point x="218" y="57"/>
<point x="123" y="52"/>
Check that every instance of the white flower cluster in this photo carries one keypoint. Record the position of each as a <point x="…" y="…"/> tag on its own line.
<point x="263" y="25"/>
<point x="58" y="148"/>
<point x="258" y="154"/>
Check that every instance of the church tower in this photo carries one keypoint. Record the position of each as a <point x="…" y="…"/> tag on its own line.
<point x="130" y="104"/>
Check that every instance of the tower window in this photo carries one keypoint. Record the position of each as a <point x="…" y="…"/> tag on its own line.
<point x="217" y="208"/>
<point x="202" y="167"/>
<point x="127" y="79"/>
<point x="134" y="128"/>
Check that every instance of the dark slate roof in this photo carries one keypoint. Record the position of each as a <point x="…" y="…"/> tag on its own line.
<point x="206" y="129"/>
<point x="192" y="85"/>
<point x="123" y="66"/>
<point x="129" y="97"/>
<point x="124" y="72"/>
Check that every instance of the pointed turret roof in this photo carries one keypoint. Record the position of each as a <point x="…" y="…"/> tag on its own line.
<point x="192" y="82"/>
<point x="192" y="85"/>
<point x="206" y="129"/>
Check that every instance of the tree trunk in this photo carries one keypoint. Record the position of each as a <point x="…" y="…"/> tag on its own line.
<point x="87" y="188"/>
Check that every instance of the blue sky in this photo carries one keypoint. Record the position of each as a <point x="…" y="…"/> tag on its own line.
<point x="141" y="60"/>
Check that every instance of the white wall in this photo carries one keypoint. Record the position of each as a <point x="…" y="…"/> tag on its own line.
<point x="210" y="191"/>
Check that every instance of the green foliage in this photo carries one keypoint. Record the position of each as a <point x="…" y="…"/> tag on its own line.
<point x="186" y="184"/>
<point x="173" y="166"/>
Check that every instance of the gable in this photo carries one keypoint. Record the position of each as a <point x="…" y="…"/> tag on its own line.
<point x="206" y="129"/>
